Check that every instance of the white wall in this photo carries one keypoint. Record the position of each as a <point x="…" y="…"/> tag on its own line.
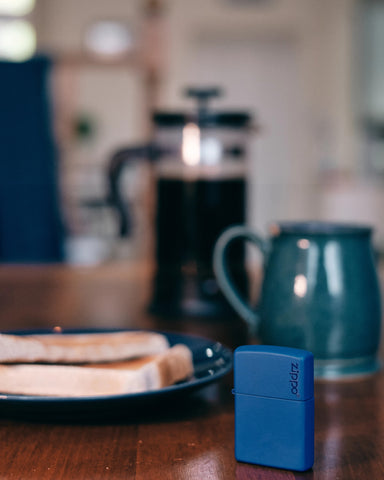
<point x="221" y="21"/>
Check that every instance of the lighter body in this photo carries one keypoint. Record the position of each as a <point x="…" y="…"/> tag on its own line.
<point x="274" y="407"/>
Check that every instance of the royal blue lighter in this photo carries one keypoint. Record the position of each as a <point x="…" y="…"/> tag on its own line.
<point x="274" y="406"/>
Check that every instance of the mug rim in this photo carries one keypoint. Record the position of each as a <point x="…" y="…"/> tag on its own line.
<point x="315" y="227"/>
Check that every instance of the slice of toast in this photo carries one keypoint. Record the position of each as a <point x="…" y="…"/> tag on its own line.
<point x="133" y="376"/>
<point x="80" y="348"/>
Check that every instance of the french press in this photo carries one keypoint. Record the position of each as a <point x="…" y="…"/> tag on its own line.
<point x="200" y="170"/>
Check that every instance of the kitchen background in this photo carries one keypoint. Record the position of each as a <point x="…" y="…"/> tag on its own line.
<point x="310" y="71"/>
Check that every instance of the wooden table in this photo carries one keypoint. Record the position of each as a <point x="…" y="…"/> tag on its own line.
<point x="191" y="440"/>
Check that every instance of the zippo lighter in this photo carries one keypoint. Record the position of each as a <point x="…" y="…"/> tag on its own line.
<point x="274" y="406"/>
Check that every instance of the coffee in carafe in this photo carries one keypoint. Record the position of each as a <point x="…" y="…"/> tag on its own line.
<point x="191" y="215"/>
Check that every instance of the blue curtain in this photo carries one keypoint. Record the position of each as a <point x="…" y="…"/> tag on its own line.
<point x="31" y="227"/>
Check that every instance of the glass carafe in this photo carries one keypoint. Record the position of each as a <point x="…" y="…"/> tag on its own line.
<point x="200" y="168"/>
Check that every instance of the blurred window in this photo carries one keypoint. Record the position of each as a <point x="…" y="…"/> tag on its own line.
<point x="17" y="34"/>
<point x="16" y="7"/>
<point x="17" y="40"/>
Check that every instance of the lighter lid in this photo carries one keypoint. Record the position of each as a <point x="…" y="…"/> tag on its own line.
<point x="271" y="371"/>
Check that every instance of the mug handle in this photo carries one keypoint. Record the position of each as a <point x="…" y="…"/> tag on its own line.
<point x="222" y="273"/>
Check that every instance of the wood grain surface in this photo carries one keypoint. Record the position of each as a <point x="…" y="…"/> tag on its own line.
<point x="191" y="439"/>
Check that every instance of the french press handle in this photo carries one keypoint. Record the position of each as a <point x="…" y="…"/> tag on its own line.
<point x="115" y="168"/>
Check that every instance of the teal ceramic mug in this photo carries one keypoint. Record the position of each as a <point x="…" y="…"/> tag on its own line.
<point x="320" y="292"/>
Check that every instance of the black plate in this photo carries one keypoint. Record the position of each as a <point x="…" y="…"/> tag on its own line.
<point x="211" y="362"/>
